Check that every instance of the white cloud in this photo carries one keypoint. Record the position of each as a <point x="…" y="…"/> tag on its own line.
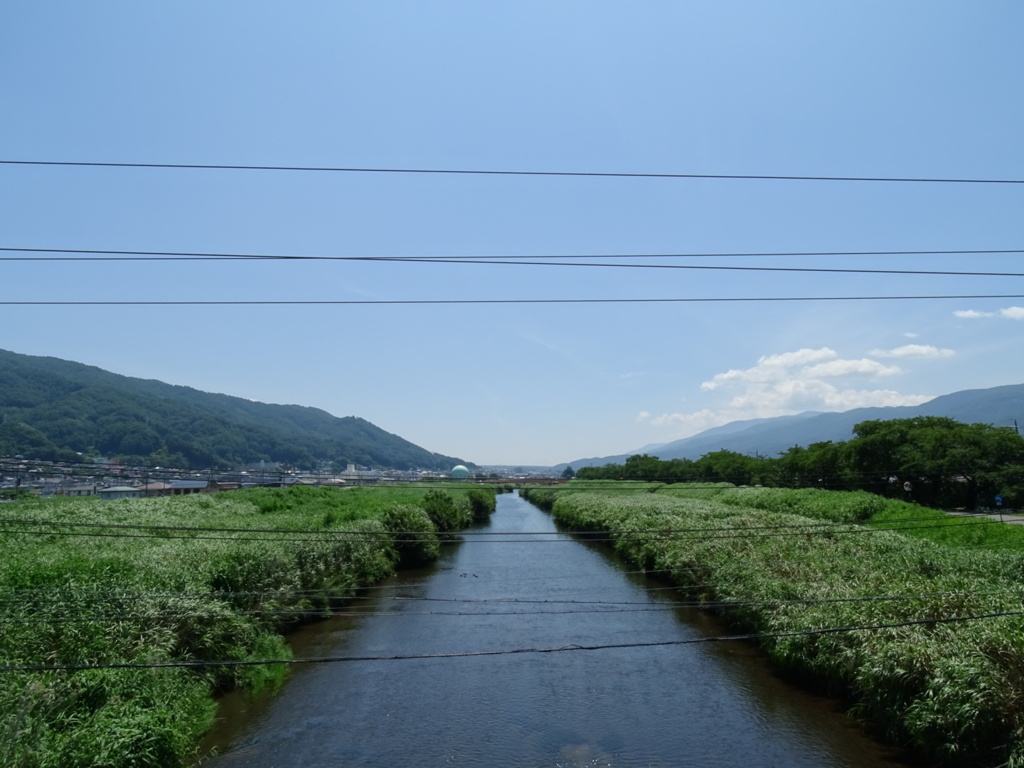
<point x="1010" y="313"/>
<point x="795" y="395"/>
<point x="792" y="382"/>
<point x="689" y="423"/>
<point x="971" y="314"/>
<point x="771" y="367"/>
<point x="805" y="364"/>
<point x="913" y="350"/>
<point x="850" y="367"/>
<point x="643" y="416"/>
<point x="782" y="399"/>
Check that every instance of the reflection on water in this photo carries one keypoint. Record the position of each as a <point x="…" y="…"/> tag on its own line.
<point x="697" y="704"/>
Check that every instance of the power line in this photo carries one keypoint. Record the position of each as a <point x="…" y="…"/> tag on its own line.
<point x="508" y="608"/>
<point x="671" y="483"/>
<point x="502" y="261"/>
<point x="305" y="613"/>
<point x="536" y="537"/>
<point x="355" y="605"/>
<point x="16" y="599"/>
<point x="213" y="255"/>
<point x="161" y="529"/>
<point x="437" y="302"/>
<point x="483" y="172"/>
<point x="115" y="255"/>
<point x="365" y="592"/>
<point x="757" y="636"/>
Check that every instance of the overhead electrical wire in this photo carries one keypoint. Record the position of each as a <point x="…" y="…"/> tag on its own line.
<point x="104" y="254"/>
<point x="353" y="599"/>
<point x="80" y="474"/>
<point x="161" y="530"/>
<point x="83" y="469"/>
<point x="112" y="255"/>
<point x="588" y="609"/>
<point x="491" y="172"/>
<point x="50" y="528"/>
<point x="485" y="535"/>
<point x="304" y="612"/>
<point x="15" y="597"/>
<point x="368" y="592"/>
<point x="438" y="302"/>
<point x="507" y="652"/>
<point x="531" y="261"/>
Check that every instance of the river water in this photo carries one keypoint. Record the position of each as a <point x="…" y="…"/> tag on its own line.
<point x="713" y="704"/>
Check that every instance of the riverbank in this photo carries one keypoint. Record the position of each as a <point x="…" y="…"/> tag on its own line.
<point x="925" y="640"/>
<point x="122" y="620"/>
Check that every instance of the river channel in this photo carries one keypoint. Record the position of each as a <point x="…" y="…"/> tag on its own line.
<point x="518" y="583"/>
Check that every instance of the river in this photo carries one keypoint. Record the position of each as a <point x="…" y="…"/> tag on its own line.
<point x="513" y="584"/>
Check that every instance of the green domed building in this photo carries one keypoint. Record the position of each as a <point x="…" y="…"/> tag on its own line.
<point x="459" y="472"/>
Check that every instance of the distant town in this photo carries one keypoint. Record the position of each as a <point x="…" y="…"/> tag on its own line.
<point x="109" y="479"/>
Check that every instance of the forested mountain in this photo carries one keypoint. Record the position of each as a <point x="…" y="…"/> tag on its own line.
<point x="55" y="409"/>
<point x="998" y="406"/>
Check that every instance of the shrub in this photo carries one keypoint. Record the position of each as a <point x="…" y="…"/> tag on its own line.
<point x="482" y="503"/>
<point x="443" y="511"/>
<point x="413" y="534"/>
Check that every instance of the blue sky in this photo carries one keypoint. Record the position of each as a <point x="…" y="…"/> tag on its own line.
<point x="867" y="89"/>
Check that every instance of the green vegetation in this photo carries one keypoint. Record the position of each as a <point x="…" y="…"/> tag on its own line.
<point x="481" y="504"/>
<point x="933" y="525"/>
<point x="932" y="460"/>
<point x="55" y="410"/>
<point x="925" y="640"/>
<point x="415" y="537"/>
<point x="10" y="494"/>
<point x="147" y="582"/>
<point x="833" y="506"/>
<point x="544" y="495"/>
<point x="445" y="513"/>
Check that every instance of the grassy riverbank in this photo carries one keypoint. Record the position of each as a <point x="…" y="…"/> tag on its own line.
<point x="924" y="639"/>
<point x="105" y="605"/>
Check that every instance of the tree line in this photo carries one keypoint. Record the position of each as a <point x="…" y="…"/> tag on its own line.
<point x="935" y="461"/>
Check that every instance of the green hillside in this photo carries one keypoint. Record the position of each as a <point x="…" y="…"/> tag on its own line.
<point x="57" y="410"/>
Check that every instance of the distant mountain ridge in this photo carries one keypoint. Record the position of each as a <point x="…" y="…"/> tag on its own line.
<point x="770" y="437"/>
<point x="57" y="409"/>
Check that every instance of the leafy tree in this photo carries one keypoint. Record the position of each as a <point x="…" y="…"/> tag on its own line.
<point x="727" y="467"/>
<point x="641" y="467"/>
<point x="568" y="473"/>
<point x="820" y="465"/>
<point x="948" y="463"/>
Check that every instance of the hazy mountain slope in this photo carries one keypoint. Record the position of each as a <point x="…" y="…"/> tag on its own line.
<point x="72" y="408"/>
<point x="770" y="437"/>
